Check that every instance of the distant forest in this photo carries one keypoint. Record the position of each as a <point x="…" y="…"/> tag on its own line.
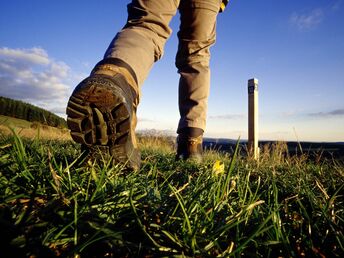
<point x="26" y="111"/>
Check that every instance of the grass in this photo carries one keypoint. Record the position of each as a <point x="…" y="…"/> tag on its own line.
<point x="12" y="121"/>
<point x="26" y="129"/>
<point x="53" y="204"/>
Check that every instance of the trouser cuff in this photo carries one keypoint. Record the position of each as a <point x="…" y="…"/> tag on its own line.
<point x="191" y="131"/>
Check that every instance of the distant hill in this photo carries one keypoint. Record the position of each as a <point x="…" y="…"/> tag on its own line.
<point x="328" y="149"/>
<point x="29" y="112"/>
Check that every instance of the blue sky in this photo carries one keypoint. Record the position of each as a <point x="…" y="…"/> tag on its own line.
<point x="295" y="48"/>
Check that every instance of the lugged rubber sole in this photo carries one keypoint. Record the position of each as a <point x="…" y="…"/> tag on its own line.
<point x="99" y="116"/>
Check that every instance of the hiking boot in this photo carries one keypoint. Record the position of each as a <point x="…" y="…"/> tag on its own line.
<point x="101" y="113"/>
<point x="189" y="148"/>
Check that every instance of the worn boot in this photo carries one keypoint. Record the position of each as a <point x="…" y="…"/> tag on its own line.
<point x="189" y="144"/>
<point x="101" y="112"/>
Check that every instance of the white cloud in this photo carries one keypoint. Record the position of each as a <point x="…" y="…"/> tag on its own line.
<point x="227" y="116"/>
<point x="336" y="112"/>
<point x="336" y="6"/>
<point x="145" y="120"/>
<point x="32" y="76"/>
<point x="307" y="21"/>
<point x="29" y="56"/>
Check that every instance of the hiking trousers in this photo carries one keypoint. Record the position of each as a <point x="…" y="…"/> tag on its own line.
<point x="141" y="43"/>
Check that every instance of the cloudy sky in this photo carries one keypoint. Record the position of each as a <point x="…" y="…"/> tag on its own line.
<point x="295" y="49"/>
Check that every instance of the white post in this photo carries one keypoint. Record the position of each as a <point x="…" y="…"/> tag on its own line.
<point x="253" y="118"/>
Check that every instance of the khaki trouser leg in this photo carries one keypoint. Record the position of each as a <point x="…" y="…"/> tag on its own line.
<point x="196" y="35"/>
<point x="141" y="41"/>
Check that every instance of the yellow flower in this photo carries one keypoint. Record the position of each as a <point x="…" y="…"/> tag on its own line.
<point x="218" y="167"/>
<point x="232" y="185"/>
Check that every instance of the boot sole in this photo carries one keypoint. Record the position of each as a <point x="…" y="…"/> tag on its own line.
<point x="98" y="117"/>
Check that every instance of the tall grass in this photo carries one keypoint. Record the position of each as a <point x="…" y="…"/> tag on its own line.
<point x="55" y="204"/>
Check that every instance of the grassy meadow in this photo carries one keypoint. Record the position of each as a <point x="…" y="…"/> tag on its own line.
<point x="31" y="130"/>
<point x="54" y="203"/>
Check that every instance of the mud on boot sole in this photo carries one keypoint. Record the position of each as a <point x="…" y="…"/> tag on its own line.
<point x="99" y="115"/>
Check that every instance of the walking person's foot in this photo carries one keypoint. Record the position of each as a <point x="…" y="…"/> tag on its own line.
<point x="101" y="114"/>
<point x="189" y="144"/>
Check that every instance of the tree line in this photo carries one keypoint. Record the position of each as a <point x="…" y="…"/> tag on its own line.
<point x="29" y="112"/>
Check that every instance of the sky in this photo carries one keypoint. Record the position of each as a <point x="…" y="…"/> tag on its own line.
<point x="295" y="48"/>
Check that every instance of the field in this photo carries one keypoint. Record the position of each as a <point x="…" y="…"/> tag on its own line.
<point x="31" y="130"/>
<point x="54" y="203"/>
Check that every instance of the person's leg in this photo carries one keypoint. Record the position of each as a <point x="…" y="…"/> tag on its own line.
<point x="141" y="41"/>
<point x="102" y="109"/>
<point x="196" y="35"/>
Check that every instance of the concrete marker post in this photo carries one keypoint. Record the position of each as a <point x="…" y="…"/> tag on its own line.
<point x="253" y="148"/>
